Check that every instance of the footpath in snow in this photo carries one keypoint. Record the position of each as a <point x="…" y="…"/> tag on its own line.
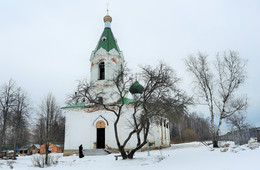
<point x="187" y="156"/>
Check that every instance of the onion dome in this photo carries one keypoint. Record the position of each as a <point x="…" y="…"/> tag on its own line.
<point x="107" y="18"/>
<point x="136" y="88"/>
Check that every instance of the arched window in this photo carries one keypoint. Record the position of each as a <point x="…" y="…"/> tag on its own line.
<point x="100" y="100"/>
<point x="101" y="71"/>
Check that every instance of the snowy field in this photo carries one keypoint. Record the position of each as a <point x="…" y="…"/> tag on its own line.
<point x="187" y="156"/>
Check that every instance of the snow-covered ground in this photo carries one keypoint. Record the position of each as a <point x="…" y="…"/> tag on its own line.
<point x="187" y="156"/>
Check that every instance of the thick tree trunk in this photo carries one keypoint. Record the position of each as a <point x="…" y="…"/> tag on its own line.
<point x="46" y="152"/>
<point x="121" y="148"/>
<point x="1" y="142"/>
<point x="215" y="141"/>
<point x="15" y="142"/>
<point x="123" y="153"/>
<point x="131" y="154"/>
<point x="4" y="128"/>
<point x="213" y="132"/>
<point x="215" y="144"/>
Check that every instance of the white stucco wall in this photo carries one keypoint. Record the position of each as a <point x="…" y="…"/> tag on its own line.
<point x="80" y="126"/>
<point x="81" y="129"/>
<point x="113" y="62"/>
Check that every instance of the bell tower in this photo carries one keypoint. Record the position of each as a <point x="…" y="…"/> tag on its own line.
<point x="106" y="60"/>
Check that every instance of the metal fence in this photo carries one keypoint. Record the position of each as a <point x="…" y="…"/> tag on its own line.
<point x="241" y="137"/>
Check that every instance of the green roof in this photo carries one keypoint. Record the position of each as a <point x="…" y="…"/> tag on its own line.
<point x="26" y="147"/>
<point x="136" y="88"/>
<point x="7" y="147"/>
<point x="126" y="101"/>
<point x="57" y="143"/>
<point x="74" y="106"/>
<point x="107" y="41"/>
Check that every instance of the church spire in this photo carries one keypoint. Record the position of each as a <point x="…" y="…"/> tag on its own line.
<point x="107" y="40"/>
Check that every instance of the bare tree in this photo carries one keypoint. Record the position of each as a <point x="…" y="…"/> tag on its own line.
<point x="49" y="113"/>
<point x="240" y="123"/>
<point x="160" y="98"/>
<point x="39" y="131"/>
<point x="219" y="90"/>
<point x="20" y="115"/>
<point x="7" y="99"/>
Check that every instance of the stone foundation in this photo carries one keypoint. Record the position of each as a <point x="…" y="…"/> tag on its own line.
<point x="70" y="152"/>
<point x="115" y="150"/>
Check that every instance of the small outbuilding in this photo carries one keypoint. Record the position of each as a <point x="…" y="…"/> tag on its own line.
<point x="29" y="149"/>
<point x="53" y="148"/>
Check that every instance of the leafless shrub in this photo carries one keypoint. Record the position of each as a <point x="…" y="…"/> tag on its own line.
<point x="39" y="160"/>
<point x="189" y="135"/>
<point x="10" y="164"/>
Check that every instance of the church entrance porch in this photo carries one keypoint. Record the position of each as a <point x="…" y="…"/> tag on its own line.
<point x="100" y="134"/>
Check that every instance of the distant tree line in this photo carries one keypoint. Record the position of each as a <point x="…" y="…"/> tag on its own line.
<point x="17" y="125"/>
<point x="14" y="116"/>
<point x="189" y="127"/>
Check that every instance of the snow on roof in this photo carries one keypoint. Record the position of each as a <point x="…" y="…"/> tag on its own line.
<point x="37" y="146"/>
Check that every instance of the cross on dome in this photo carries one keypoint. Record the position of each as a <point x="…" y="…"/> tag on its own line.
<point x="107" y="18"/>
<point x="107" y="4"/>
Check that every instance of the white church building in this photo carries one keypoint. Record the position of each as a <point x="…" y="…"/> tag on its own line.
<point x="93" y="127"/>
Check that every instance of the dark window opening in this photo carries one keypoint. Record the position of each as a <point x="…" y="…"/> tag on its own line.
<point x="100" y="100"/>
<point x="101" y="71"/>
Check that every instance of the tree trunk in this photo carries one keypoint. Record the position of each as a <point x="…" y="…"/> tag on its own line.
<point x="46" y="152"/>
<point x="146" y="132"/>
<point x="215" y="144"/>
<point x="2" y="140"/>
<point x="123" y="153"/>
<point x="121" y="148"/>
<point x="15" y="142"/>
<point x="214" y="136"/>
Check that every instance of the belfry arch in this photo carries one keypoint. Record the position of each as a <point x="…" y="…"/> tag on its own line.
<point x="101" y="68"/>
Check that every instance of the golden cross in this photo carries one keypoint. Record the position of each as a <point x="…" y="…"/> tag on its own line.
<point x="107" y="4"/>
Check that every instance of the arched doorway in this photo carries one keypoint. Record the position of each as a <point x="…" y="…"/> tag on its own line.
<point x="100" y="125"/>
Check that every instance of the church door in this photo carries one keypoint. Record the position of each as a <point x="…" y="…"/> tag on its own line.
<point x="100" y="134"/>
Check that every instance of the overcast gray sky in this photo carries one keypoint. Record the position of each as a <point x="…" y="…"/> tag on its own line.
<point x="45" y="45"/>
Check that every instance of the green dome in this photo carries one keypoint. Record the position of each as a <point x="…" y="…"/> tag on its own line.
<point x="136" y="88"/>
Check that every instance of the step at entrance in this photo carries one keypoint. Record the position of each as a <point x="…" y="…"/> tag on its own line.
<point x="95" y="152"/>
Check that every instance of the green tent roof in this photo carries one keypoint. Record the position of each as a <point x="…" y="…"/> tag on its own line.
<point x="74" y="106"/>
<point x="107" y="41"/>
